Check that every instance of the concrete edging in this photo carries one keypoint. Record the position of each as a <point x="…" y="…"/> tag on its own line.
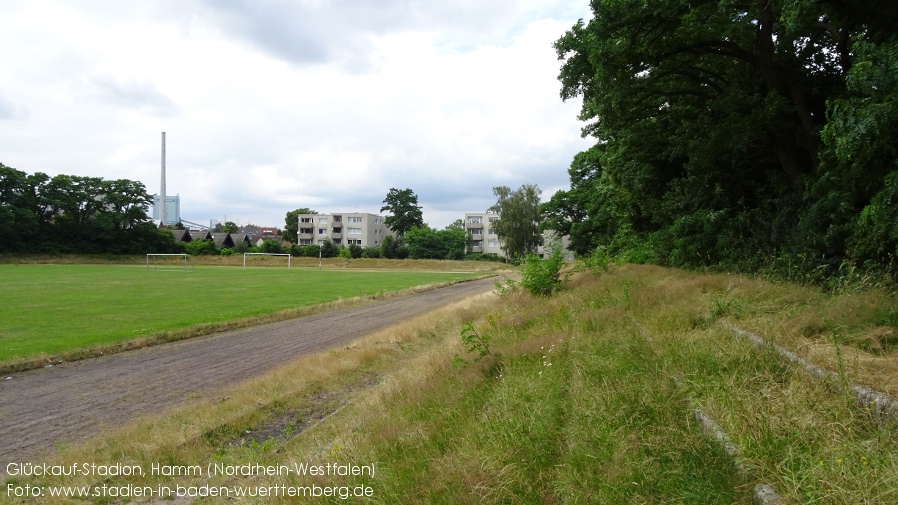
<point x="878" y="404"/>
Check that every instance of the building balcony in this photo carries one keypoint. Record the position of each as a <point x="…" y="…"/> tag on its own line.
<point x="337" y="235"/>
<point x="477" y="236"/>
<point x="305" y="236"/>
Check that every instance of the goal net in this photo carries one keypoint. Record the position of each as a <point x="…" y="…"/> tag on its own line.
<point x="168" y="262"/>
<point x="262" y="257"/>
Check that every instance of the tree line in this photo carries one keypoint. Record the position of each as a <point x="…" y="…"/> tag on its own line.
<point x="74" y="214"/>
<point x="743" y="133"/>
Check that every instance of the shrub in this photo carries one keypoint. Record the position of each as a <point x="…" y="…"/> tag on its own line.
<point x="201" y="247"/>
<point x="372" y="252"/>
<point x="542" y="277"/>
<point x="272" y="246"/>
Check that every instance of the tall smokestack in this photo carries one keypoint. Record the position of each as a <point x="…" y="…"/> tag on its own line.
<point x="162" y="190"/>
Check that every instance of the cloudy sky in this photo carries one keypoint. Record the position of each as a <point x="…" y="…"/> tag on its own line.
<point x="273" y="105"/>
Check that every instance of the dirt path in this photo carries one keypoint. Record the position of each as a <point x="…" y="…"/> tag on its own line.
<point x="72" y="401"/>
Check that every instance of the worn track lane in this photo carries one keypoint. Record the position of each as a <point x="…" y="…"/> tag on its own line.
<point x="72" y="401"/>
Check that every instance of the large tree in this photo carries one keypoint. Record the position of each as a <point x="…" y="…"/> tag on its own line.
<point x="708" y="118"/>
<point x="405" y="213"/>
<point x="519" y="218"/>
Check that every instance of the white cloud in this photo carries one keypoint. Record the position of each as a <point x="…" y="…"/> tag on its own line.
<point x="284" y="104"/>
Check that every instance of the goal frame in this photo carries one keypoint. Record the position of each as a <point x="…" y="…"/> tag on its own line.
<point x="156" y="267"/>
<point x="289" y="257"/>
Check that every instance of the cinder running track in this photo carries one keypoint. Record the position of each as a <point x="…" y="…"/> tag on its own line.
<point x="72" y="401"/>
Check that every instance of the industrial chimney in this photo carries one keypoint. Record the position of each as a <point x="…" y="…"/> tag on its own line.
<point x="162" y="202"/>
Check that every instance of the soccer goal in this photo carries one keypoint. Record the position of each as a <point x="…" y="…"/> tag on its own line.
<point x="266" y="254"/>
<point x="169" y="262"/>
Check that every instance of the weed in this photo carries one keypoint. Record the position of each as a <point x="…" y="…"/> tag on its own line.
<point x="474" y="342"/>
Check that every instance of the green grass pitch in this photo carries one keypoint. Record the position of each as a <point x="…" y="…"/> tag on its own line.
<point x="52" y="309"/>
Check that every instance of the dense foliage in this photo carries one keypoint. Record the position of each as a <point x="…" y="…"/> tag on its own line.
<point x="734" y="132"/>
<point x="67" y="213"/>
<point x="429" y="243"/>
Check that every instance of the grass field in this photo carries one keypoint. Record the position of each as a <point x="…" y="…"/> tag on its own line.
<point x="578" y="404"/>
<point x="56" y="309"/>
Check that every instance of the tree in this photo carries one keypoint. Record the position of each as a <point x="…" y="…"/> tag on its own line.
<point x="329" y="249"/>
<point x="77" y="214"/>
<point x="425" y="242"/>
<point x="393" y="249"/>
<point x="708" y="119"/>
<point x="405" y="211"/>
<point x="291" y="224"/>
<point x="226" y="227"/>
<point x="519" y="218"/>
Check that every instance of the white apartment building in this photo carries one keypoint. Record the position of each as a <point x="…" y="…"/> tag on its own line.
<point x="484" y="239"/>
<point x="345" y="228"/>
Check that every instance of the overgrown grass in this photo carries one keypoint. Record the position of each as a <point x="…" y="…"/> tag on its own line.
<point x="50" y="310"/>
<point x="574" y="404"/>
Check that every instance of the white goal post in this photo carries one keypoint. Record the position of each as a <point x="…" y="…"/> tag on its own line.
<point x="156" y="263"/>
<point x="289" y="257"/>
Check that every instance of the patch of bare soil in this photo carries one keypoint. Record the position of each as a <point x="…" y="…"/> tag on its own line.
<point x="73" y="401"/>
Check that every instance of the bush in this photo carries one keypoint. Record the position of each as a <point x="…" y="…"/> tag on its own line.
<point x="542" y="277"/>
<point x="329" y="249"/>
<point x="309" y="250"/>
<point x="201" y="247"/>
<point x="272" y="246"/>
<point x="372" y="252"/>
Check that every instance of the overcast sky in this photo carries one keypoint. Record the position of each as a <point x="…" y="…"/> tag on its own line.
<point x="269" y="106"/>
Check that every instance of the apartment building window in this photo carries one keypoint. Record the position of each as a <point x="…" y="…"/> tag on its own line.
<point x="354" y="219"/>
<point x="377" y="220"/>
<point x="475" y="220"/>
<point x="354" y="242"/>
<point x="494" y="219"/>
<point x="492" y="243"/>
<point x="489" y="231"/>
<point x="322" y="231"/>
<point x="305" y="220"/>
<point x="377" y="231"/>
<point x="355" y="231"/>
<point x="322" y="220"/>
